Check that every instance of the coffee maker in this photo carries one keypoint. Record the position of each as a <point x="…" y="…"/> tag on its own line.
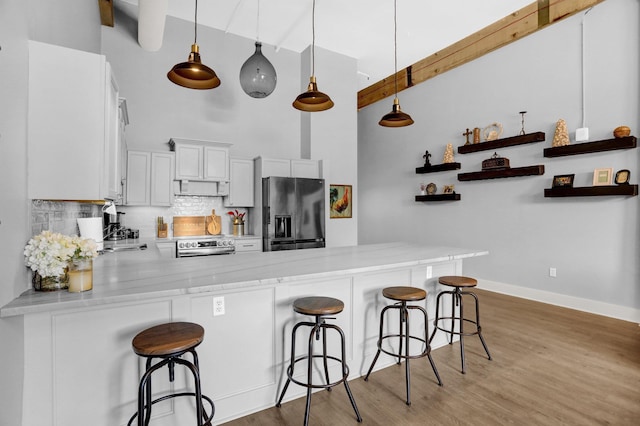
<point x="114" y="229"/>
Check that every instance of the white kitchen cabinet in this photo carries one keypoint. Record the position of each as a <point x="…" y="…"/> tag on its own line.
<point x="247" y="244"/>
<point x="241" y="183"/>
<point x="123" y="122"/>
<point x="306" y="169"/>
<point x="266" y="167"/>
<point x="201" y="160"/>
<point x="150" y="178"/>
<point x="72" y="140"/>
<point x="167" y="249"/>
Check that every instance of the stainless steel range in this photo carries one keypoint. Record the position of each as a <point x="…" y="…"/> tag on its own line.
<point x="204" y="246"/>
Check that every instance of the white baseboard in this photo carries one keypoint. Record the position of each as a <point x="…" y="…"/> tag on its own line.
<point x="586" y="305"/>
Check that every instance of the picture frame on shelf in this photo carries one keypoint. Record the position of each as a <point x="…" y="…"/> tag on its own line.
<point x="340" y="201"/>
<point x="448" y="189"/>
<point x="622" y="177"/>
<point x="563" y="181"/>
<point x="602" y="177"/>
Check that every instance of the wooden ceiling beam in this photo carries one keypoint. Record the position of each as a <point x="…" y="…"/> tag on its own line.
<point x="106" y="12"/>
<point x="515" y="26"/>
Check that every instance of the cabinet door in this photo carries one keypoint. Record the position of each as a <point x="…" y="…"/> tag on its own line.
<point x="189" y="162"/>
<point x="112" y="139"/>
<point x="305" y="169"/>
<point x="66" y="127"/>
<point x="241" y="183"/>
<point x="162" y="171"/>
<point x="138" y="178"/>
<point x="276" y="167"/>
<point x="216" y="163"/>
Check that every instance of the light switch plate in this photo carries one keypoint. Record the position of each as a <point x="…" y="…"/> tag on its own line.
<point x="582" y="134"/>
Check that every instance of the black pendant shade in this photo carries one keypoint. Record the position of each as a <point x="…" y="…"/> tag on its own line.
<point x="396" y="118"/>
<point x="193" y="74"/>
<point x="313" y="100"/>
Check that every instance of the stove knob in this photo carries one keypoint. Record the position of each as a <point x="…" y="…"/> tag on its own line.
<point x="181" y="245"/>
<point x="231" y="242"/>
<point x="224" y="242"/>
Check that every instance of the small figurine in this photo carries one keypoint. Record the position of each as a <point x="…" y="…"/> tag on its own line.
<point x="467" y="133"/>
<point x="561" y="136"/>
<point x="522" y="113"/>
<point x="492" y="132"/>
<point x="448" y="154"/>
<point x="426" y="157"/>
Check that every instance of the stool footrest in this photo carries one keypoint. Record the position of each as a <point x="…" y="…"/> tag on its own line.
<point x="345" y="373"/>
<point x="208" y="418"/>
<point x="424" y="353"/>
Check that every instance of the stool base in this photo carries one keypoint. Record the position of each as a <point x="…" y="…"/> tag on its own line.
<point x="456" y="296"/>
<point x="404" y="338"/>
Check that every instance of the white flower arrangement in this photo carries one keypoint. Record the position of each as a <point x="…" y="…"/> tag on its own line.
<point x="49" y="253"/>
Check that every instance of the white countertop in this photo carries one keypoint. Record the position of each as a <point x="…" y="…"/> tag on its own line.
<point x="131" y="276"/>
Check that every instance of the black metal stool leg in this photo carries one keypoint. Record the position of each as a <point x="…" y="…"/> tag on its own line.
<point x="404" y="314"/>
<point x="324" y="356"/>
<point x="479" y="328"/>
<point x="375" y="359"/>
<point x="291" y="363"/>
<point x="315" y="330"/>
<point x="345" y="371"/>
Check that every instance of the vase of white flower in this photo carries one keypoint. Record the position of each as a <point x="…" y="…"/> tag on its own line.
<point x="50" y="256"/>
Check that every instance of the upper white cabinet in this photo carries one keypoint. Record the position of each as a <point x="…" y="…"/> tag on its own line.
<point x="150" y="178"/>
<point x="201" y="160"/>
<point x="73" y="138"/>
<point x="241" y="183"/>
<point x="266" y="167"/>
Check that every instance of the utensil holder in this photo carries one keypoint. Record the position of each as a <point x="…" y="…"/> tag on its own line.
<point x="163" y="230"/>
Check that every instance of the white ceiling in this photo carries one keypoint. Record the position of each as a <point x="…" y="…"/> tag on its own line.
<point x="362" y="29"/>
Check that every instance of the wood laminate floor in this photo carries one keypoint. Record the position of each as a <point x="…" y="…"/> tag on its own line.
<point x="551" y="366"/>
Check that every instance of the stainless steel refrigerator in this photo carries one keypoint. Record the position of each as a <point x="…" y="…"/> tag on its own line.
<point x="293" y="213"/>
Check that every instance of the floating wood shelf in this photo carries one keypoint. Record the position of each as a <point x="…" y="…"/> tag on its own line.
<point x="438" y="168"/>
<point x="438" y="197"/>
<point x="502" y="143"/>
<point x="504" y="173"/>
<point x="592" y="191"/>
<point x="626" y="142"/>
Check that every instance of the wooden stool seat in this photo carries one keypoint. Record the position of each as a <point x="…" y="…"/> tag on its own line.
<point x="458" y="281"/>
<point x="167" y="339"/>
<point x="318" y="305"/>
<point x="404" y="294"/>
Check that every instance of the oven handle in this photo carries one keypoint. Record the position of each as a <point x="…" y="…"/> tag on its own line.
<point x="203" y="252"/>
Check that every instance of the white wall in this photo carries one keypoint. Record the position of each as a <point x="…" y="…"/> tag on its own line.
<point x="593" y="242"/>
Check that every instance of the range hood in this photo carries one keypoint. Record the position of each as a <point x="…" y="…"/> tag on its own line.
<point x="200" y="188"/>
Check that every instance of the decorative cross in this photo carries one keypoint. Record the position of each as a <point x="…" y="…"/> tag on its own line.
<point x="467" y="133"/>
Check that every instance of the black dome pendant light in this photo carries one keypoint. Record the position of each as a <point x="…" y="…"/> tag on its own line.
<point x="193" y="74"/>
<point x="313" y="100"/>
<point x="396" y="118"/>
<point x="258" y="76"/>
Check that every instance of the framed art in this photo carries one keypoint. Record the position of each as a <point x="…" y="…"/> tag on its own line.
<point x="448" y="189"/>
<point x="340" y="201"/>
<point x="563" y="181"/>
<point x="602" y="177"/>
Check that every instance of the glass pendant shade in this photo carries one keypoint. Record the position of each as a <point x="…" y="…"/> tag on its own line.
<point x="312" y="100"/>
<point x="396" y="118"/>
<point x="257" y="76"/>
<point x="193" y="74"/>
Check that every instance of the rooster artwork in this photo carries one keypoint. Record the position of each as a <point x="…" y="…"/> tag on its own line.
<point x="340" y="201"/>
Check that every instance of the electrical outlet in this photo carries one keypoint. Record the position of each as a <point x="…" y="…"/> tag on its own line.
<point x="582" y="134"/>
<point x="218" y="306"/>
<point x="429" y="272"/>
<point x="552" y="272"/>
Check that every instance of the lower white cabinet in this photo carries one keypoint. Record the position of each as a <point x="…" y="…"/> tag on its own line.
<point x="240" y="184"/>
<point x="248" y="244"/>
<point x="150" y="178"/>
<point x="167" y="249"/>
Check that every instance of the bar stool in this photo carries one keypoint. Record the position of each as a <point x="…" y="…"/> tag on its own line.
<point x="320" y="308"/>
<point x="168" y="342"/>
<point x="458" y="283"/>
<point x="403" y="295"/>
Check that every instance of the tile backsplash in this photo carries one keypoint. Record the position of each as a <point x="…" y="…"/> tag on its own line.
<point x="60" y="216"/>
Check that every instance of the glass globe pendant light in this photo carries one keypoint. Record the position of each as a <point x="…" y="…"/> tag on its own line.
<point x="396" y="118"/>
<point x="193" y="74"/>
<point x="258" y="76"/>
<point x="313" y="100"/>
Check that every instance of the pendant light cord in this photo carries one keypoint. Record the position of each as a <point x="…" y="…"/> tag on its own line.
<point x="195" y="20"/>
<point x="395" y="45"/>
<point x="258" y="24"/>
<point x="313" y="38"/>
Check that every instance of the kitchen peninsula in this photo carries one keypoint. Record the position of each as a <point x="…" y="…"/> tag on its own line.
<point x="78" y="355"/>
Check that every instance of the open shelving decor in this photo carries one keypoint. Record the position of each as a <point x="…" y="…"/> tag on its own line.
<point x="438" y="168"/>
<point x="626" y="142"/>
<point x="502" y="143"/>
<point x="439" y="197"/>
<point x="592" y="191"/>
<point x="536" y="170"/>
